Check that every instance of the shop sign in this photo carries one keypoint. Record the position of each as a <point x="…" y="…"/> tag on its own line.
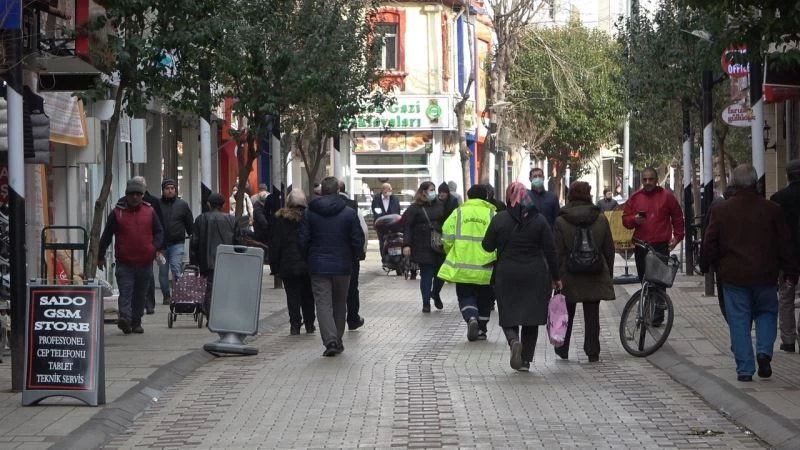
<point x="64" y="344"/>
<point x="735" y="70"/>
<point x="738" y="115"/>
<point x="409" y="112"/>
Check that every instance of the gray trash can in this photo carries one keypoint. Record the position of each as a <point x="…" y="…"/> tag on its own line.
<point x="235" y="298"/>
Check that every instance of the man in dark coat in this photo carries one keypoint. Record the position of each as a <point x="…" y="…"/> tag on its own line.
<point x="332" y="238"/>
<point x="448" y="201"/>
<point x="749" y="241"/>
<point x="354" y="320"/>
<point x="607" y="203"/>
<point x="137" y="235"/>
<point x="789" y="199"/>
<point x="177" y="220"/>
<point x="211" y="229"/>
<point x="261" y="220"/>
<point x="546" y="202"/>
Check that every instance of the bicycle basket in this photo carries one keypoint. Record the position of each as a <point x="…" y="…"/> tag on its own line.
<point x="660" y="269"/>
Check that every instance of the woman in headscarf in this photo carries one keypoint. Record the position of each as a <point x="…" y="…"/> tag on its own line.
<point x="426" y="213"/>
<point x="586" y="288"/>
<point x="525" y="272"/>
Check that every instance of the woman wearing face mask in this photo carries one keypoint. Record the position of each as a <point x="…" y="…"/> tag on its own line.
<point x="425" y="214"/>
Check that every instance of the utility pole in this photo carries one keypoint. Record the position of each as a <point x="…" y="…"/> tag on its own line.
<point x="12" y="24"/>
<point x="757" y="128"/>
<point x="708" y="160"/>
<point x="205" y="139"/>
<point x="688" y="175"/>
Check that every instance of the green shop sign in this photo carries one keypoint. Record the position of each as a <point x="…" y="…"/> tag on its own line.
<point x="407" y="113"/>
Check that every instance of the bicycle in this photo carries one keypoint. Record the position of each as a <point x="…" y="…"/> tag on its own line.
<point x="696" y="228"/>
<point x="640" y="331"/>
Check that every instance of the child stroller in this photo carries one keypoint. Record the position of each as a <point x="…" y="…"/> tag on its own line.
<point x="188" y="295"/>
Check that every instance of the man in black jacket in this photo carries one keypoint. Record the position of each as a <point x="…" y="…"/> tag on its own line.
<point x="260" y="218"/>
<point x="789" y="199"/>
<point x="177" y="221"/>
<point x="211" y="229"/>
<point x="383" y="204"/>
<point x="354" y="320"/>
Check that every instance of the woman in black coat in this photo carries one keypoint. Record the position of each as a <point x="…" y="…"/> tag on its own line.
<point x="424" y="214"/>
<point x="287" y="262"/>
<point x="525" y="272"/>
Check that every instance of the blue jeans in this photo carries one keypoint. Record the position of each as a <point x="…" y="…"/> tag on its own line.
<point x="174" y="256"/>
<point x="429" y="283"/>
<point x="744" y="305"/>
<point x="133" y="282"/>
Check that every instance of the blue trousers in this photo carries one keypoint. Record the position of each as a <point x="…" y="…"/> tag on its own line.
<point x="743" y="306"/>
<point x="174" y="256"/>
<point x="475" y="301"/>
<point x="429" y="283"/>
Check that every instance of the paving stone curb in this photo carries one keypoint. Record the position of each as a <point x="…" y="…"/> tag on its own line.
<point x="778" y="431"/>
<point x="117" y="416"/>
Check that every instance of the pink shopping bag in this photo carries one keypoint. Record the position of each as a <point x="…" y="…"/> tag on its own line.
<point x="557" y="319"/>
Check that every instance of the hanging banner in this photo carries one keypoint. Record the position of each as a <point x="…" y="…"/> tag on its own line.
<point x="64" y="344"/>
<point x="738" y="115"/>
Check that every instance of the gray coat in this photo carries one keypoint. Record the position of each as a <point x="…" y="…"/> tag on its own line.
<point x="585" y="287"/>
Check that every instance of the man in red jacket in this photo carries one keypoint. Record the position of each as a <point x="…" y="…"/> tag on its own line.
<point x="137" y="235"/>
<point x="656" y="218"/>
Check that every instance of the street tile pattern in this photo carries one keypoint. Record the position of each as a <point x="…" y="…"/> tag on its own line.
<point x="411" y="380"/>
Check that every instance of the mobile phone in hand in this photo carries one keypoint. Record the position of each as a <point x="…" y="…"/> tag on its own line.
<point x="641" y="214"/>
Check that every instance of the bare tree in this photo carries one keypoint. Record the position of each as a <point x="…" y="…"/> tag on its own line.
<point x="510" y="19"/>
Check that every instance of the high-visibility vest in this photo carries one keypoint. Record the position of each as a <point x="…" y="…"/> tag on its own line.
<point x="462" y="234"/>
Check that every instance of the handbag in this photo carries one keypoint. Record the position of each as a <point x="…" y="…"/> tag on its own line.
<point x="557" y="319"/>
<point x="436" y="237"/>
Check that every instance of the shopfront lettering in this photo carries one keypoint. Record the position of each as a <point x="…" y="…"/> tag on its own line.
<point x="385" y="122"/>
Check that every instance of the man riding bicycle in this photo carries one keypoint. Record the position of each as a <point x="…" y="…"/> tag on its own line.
<point x="656" y="218"/>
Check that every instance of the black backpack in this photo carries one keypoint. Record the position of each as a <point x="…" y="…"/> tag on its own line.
<point x="584" y="257"/>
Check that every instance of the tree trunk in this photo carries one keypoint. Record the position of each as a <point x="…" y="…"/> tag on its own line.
<point x="108" y="177"/>
<point x="246" y="159"/>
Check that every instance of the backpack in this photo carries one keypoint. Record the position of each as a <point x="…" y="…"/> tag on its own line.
<point x="584" y="257"/>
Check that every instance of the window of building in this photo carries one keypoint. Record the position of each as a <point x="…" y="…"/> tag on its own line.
<point x="389" y="50"/>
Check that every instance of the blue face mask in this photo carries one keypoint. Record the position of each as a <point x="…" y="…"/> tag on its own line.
<point x="431" y="196"/>
<point x="537" y="182"/>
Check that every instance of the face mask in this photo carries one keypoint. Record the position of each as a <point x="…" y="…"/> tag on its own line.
<point x="537" y="182"/>
<point x="431" y="196"/>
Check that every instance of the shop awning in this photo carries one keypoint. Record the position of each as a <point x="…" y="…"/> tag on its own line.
<point x="781" y="82"/>
<point x="63" y="73"/>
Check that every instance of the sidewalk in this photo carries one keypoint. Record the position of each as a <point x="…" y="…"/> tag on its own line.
<point x="137" y="368"/>
<point x="697" y="354"/>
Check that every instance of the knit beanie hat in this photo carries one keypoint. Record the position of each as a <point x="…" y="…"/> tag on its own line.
<point x="135" y="186"/>
<point x="168" y="182"/>
<point x="444" y="188"/>
<point x="477" y="191"/>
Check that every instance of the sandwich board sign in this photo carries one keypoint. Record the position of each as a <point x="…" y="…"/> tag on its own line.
<point x="64" y="344"/>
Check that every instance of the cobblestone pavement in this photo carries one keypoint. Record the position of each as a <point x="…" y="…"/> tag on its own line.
<point x="408" y="379"/>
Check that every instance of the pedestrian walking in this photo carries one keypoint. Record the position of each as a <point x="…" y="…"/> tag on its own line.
<point x="525" y="272"/>
<point x="137" y="235"/>
<point x="152" y="200"/>
<point x="789" y="200"/>
<point x="354" y="320"/>
<point x="467" y="264"/>
<point x="655" y="217"/>
<point x="749" y="241"/>
<point x="705" y="266"/>
<point x="449" y="202"/>
<point x="261" y="216"/>
<point x="332" y="239"/>
<point x="582" y="234"/>
<point x="247" y="209"/>
<point x="211" y="229"/>
<point x="423" y="218"/>
<point x="177" y="220"/>
<point x="454" y="192"/>
<point x="546" y="202"/>
<point x="607" y="203"/>
<point x="287" y="262"/>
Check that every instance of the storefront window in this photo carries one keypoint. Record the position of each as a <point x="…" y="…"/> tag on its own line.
<point x="404" y="171"/>
<point x="398" y="141"/>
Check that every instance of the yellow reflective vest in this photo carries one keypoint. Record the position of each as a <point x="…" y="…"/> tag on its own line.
<point x="462" y="234"/>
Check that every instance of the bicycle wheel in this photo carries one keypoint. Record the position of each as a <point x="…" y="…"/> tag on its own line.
<point x="638" y="335"/>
